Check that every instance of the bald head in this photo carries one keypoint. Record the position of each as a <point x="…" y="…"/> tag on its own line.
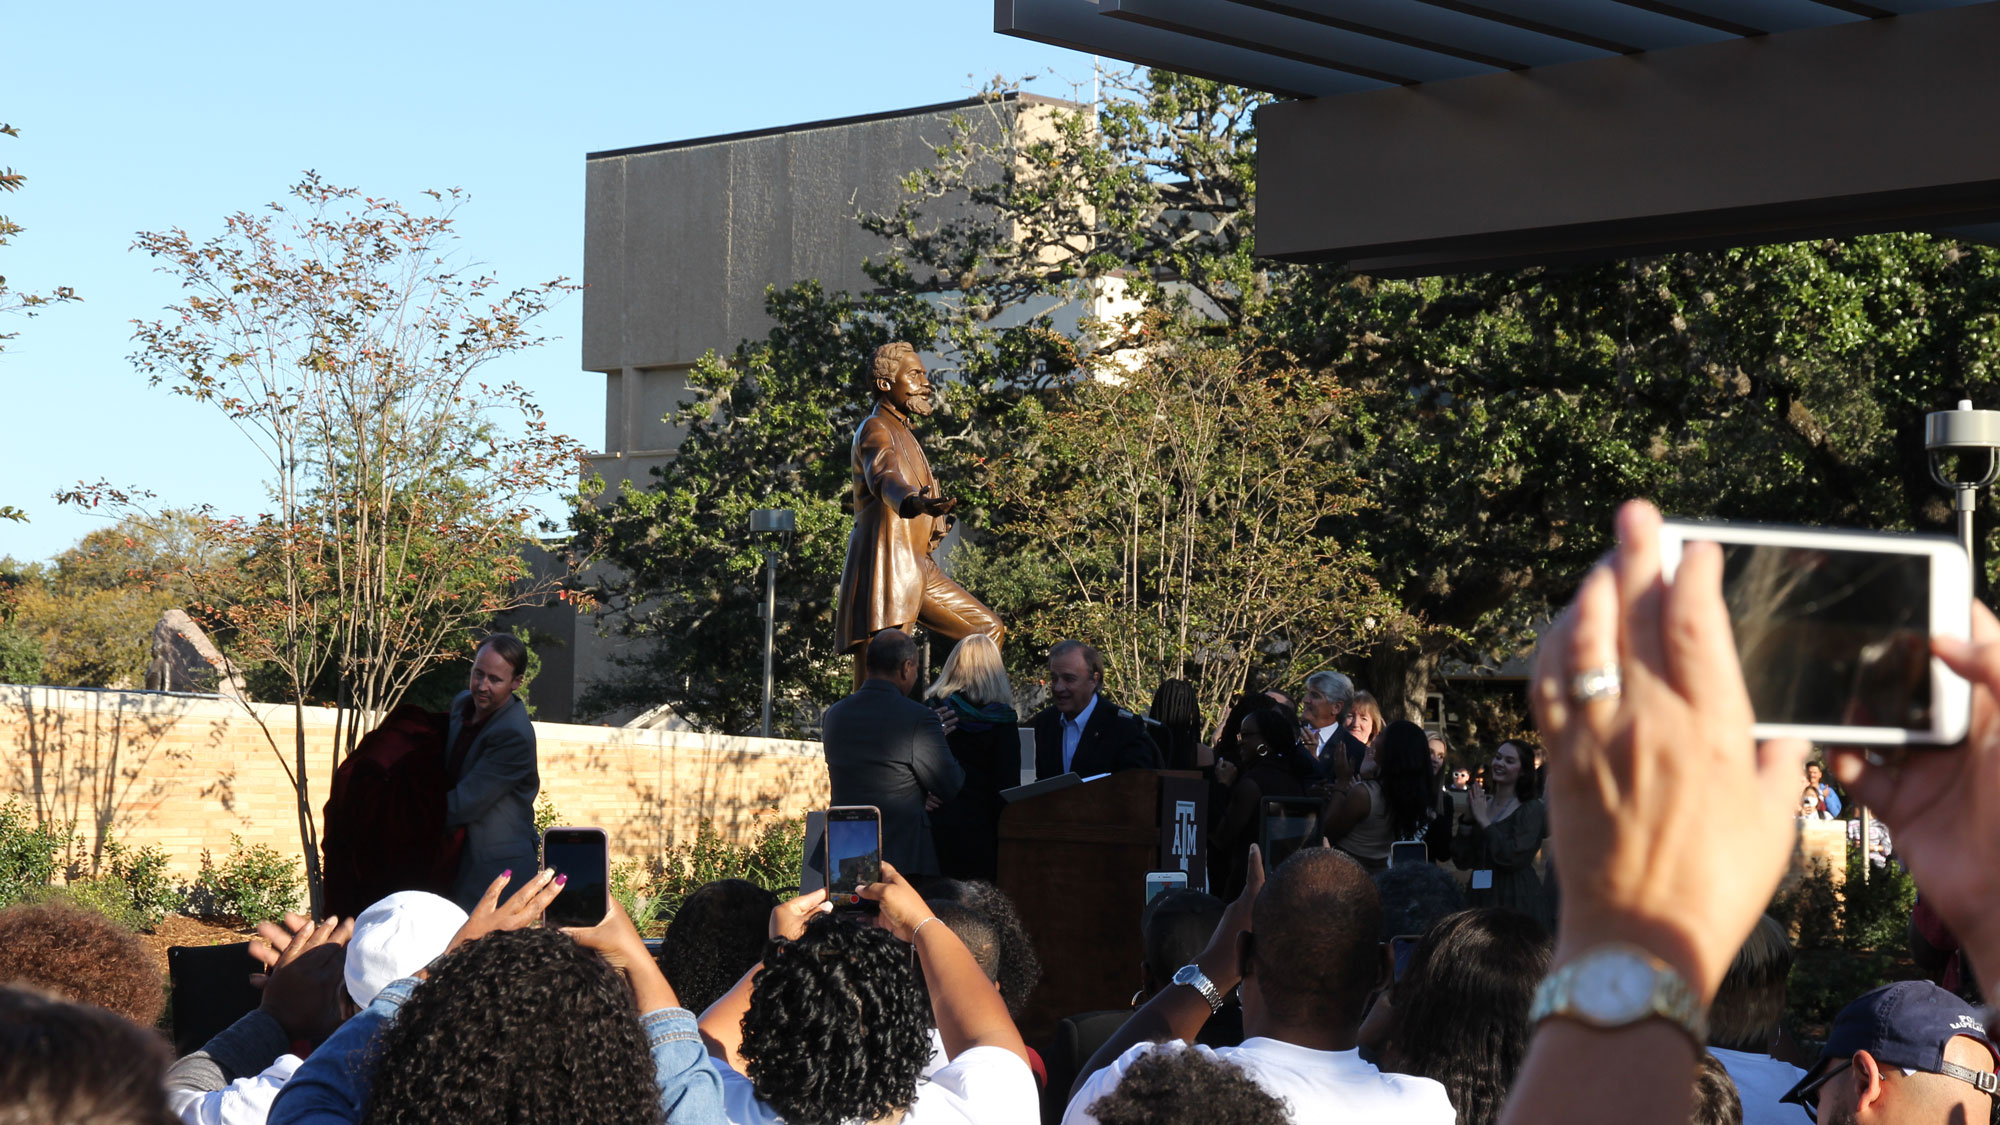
<point x="1316" y="951"/>
<point x="1872" y="1091"/>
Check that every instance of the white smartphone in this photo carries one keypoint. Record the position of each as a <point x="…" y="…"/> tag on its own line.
<point x="1833" y="629"/>
<point x="1160" y="882"/>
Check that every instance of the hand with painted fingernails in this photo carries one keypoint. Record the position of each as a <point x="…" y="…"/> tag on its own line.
<point x="1670" y="824"/>
<point x="522" y="909"/>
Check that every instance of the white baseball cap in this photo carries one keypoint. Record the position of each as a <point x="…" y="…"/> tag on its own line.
<point x="396" y="937"/>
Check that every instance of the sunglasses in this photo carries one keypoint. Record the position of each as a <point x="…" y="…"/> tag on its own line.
<point x="1806" y="1093"/>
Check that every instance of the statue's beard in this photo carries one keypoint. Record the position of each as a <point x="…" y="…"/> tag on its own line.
<point x="919" y="405"/>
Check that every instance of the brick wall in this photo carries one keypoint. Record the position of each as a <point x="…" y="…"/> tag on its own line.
<point x="187" y="772"/>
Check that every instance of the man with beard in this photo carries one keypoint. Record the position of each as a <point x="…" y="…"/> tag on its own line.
<point x="890" y="580"/>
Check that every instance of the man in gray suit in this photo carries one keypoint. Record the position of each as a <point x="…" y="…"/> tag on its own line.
<point x="885" y="749"/>
<point x="492" y="766"/>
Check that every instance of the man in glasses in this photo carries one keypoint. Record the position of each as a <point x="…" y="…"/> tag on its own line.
<point x="1906" y="1052"/>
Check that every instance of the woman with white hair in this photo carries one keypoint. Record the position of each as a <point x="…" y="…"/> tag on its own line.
<point x="974" y="698"/>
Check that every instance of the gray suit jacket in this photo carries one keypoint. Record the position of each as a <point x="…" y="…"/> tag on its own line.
<point x="493" y="796"/>
<point x="887" y="750"/>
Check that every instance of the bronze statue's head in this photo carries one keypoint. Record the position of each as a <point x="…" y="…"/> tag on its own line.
<point x="896" y="374"/>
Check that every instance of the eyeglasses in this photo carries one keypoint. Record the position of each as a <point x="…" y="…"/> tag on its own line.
<point x="1806" y="1093"/>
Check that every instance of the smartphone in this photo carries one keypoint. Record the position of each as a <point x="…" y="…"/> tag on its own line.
<point x="1400" y="948"/>
<point x="1833" y="629"/>
<point x="1287" y="823"/>
<point x="1160" y="882"/>
<point x="582" y="854"/>
<point x="1409" y="851"/>
<point x="853" y="854"/>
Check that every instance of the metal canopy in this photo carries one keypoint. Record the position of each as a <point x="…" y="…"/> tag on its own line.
<point x="1434" y="136"/>
<point x="1319" y="48"/>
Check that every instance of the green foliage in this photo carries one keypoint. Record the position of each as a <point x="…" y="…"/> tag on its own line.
<point x="21" y="659"/>
<point x="91" y="612"/>
<point x="545" y="814"/>
<point x="1813" y="908"/>
<point x="651" y="891"/>
<point x="134" y="889"/>
<point x="1849" y="939"/>
<point x="148" y="890"/>
<point x="254" y="883"/>
<point x="1875" y="914"/>
<point x="30" y="853"/>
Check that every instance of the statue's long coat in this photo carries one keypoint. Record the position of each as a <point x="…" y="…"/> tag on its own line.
<point x="882" y="583"/>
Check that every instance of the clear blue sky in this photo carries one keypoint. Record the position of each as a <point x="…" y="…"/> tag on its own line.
<point x="149" y="116"/>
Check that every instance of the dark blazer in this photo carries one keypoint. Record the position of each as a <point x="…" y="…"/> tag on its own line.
<point x="1112" y="740"/>
<point x="493" y="798"/>
<point x="1356" y="751"/>
<point x="887" y="750"/>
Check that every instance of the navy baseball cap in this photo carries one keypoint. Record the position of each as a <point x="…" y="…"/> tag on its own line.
<point x="1907" y="1024"/>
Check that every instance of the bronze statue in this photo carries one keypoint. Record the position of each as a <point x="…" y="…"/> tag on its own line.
<point x="890" y="580"/>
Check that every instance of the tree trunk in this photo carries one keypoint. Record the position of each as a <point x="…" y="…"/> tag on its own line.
<point x="1399" y="675"/>
<point x="307" y="835"/>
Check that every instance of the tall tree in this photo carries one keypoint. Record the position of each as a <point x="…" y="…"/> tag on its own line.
<point x="344" y="341"/>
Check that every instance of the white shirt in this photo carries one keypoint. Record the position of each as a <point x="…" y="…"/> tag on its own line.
<point x="246" y="1101"/>
<point x="1072" y="731"/>
<point x="1317" y="1087"/>
<point x="1324" y="734"/>
<point x="982" y="1086"/>
<point x="1760" y="1081"/>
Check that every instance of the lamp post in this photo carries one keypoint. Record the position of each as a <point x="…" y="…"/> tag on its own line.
<point x="1964" y="432"/>
<point x="781" y="522"/>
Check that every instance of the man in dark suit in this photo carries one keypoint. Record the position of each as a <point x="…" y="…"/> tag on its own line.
<point x="491" y="763"/>
<point x="1084" y="732"/>
<point x="1329" y="698"/>
<point x="885" y="749"/>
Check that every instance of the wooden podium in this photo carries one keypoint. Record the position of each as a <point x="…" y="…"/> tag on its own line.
<point x="1075" y="863"/>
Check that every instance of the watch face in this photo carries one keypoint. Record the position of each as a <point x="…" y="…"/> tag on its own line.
<point x="1613" y="988"/>
<point x="1186" y="974"/>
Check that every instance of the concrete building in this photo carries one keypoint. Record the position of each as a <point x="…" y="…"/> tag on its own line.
<point x="681" y="242"/>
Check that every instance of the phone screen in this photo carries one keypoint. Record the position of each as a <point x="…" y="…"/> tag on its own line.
<point x="1160" y="882"/>
<point x="1286" y="826"/>
<point x="1400" y="948"/>
<point x="853" y="853"/>
<point x="1409" y="851"/>
<point x="578" y="853"/>
<point x="1831" y="637"/>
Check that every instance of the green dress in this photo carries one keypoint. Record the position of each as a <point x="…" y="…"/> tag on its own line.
<point x="1507" y="847"/>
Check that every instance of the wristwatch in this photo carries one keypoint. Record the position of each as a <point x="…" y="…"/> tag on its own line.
<point x="1617" y="985"/>
<point x="1193" y="977"/>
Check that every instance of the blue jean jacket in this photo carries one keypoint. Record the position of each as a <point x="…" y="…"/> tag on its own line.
<point x="332" y="1085"/>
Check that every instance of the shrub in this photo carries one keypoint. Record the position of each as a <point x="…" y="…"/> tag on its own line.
<point x="30" y="853"/>
<point x="104" y="895"/>
<point x="1875" y="913"/>
<point x="149" y="891"/>
<point x="652" y="890"/>
<point x="254" y="884"/>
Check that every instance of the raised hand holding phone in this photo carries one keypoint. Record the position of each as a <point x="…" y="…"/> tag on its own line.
<point x="522" y="909"/>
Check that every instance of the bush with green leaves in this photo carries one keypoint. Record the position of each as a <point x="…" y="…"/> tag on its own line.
<point x="30" y="853"/>
<point x="651" y="890"/>
<point x="149" y="890"/>
<point x="254" y="883"/>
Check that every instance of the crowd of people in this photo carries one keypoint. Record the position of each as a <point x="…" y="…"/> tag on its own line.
<point x="1334" y="986"/>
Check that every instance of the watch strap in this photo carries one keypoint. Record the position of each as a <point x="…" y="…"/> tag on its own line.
<point x="1193" y="977"/>
<point x="1671" y="998"/>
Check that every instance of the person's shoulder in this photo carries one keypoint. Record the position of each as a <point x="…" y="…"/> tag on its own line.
<point x="992" y="1081"/>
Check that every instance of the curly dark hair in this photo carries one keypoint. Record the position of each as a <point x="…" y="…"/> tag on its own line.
<point x="716" y="936"/>
<point x="518" y="1026"/>
<point x="838" y="1028"/>
<point x="1716" y="1099"/>
<point x="1169" y="1086"/>
<point x="76" y="1062"/>
<point x="81" y="955"/>
<point x="1460" y="1013"/>
<point x="1020" y="968"/>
